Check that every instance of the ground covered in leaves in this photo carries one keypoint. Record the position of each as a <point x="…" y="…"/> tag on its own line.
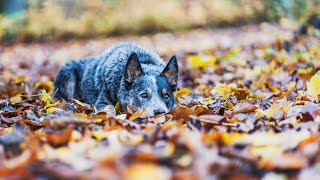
<point x="247" y="109"/>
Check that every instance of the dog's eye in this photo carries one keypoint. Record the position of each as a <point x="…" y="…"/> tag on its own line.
<point x="144" y="95"/>
<point x="166" y="97"/>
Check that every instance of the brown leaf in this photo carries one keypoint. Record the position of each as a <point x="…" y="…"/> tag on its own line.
<point x="59" y="137"/>
<point x="181" y="112"/>
<point x="202" y="110"/>
<point x="216" y="118"/>
<point x="81" y="115"/>
<point x="244" y="107"/>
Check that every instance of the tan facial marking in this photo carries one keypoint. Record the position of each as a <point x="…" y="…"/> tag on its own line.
<point x="164" y="91"/>
<point x="148" y="90"/>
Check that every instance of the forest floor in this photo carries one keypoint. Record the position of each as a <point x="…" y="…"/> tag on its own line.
<point x="248" y="108"/>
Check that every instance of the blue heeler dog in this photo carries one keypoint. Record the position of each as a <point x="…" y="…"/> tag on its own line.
<point x="126" y="73"/>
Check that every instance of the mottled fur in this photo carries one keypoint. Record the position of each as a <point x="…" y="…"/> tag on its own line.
<point x="127" y="73"/>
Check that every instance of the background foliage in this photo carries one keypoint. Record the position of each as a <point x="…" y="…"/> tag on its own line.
<point x="63" y="19"/>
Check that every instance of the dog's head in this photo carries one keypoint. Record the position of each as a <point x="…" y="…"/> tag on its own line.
<point x="152" y="93"/>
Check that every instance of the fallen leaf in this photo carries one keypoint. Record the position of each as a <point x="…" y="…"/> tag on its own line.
<point x="313" y="86"/>
<point x="225" y="91"/>
<point x="99" y="135"/>
<point x="182" y="92"/>
<point x="15" y="99"/>
<point x="244" y="107"/>
<point x="20" y="79"/>
<point x="136" y="115"/>
<point x="181" y="112"/>
<point x="48" y="86"/>
<point x="81" y="103"/>
<point x="59" y="137"/>
<point x="201" y="61"/>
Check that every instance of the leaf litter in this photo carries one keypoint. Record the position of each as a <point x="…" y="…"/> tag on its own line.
<point x="249" y="111"/>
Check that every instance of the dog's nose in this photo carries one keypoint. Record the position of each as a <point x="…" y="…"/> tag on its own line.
<point x="159" y="111"/>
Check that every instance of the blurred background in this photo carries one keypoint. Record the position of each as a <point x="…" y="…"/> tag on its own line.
<point x="43" y="20"/>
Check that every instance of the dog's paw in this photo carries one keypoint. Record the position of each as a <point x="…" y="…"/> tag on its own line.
<point x="110" y="110"/>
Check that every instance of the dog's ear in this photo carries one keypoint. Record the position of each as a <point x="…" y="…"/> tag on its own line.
<point x="171" y="73"/>
<point x="133" y="69"/>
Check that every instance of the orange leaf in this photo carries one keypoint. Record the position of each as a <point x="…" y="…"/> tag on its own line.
<point x="136" y="115"/>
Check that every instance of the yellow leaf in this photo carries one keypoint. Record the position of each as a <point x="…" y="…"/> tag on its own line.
<point x="228" y="138"/>
<point x="99" y="135"/>
<point x="118" y="107"/>
<point x="313" y="86"/>
<point x="19" y="79"/>
<point x="272" y="88"/>
<point x="269" y="114"/>
<point x="182" y="92"/>
<point x="225" y="91"/>
<point x="168" y="150"/>
<point x="136" y="115"/>
<point x="48" y="104"/>
<point x="201" y="61"/>
<point x="229" y="105"/>
<point x="83" y="116"/>
<point x="53" y="109"/>
<point x="15" y="99"/>
<point x="274" y="109"/>
<point x="45" y="96"/>
<point x="48" y="86"/>
<point x="305" y="71"/>
<point x="208" y="101"/>
<point x="50" y="107"/>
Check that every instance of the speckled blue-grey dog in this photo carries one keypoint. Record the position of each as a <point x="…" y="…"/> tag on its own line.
<point x="126" y="73"/>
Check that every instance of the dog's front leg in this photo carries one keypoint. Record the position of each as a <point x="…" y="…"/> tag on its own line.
<point x="102" y="104"/>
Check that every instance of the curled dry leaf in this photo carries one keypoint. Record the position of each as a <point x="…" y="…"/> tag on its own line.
<point x="48" y="86"/>
<point x="181" y="112"/>
<point x="202" y="110"/>
<point x="244" y="107"/>
<point x="59" y="137"/>
<point x="137" y="115"/>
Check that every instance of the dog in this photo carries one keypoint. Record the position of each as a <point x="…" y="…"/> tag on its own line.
<point x="126" y="73"/>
